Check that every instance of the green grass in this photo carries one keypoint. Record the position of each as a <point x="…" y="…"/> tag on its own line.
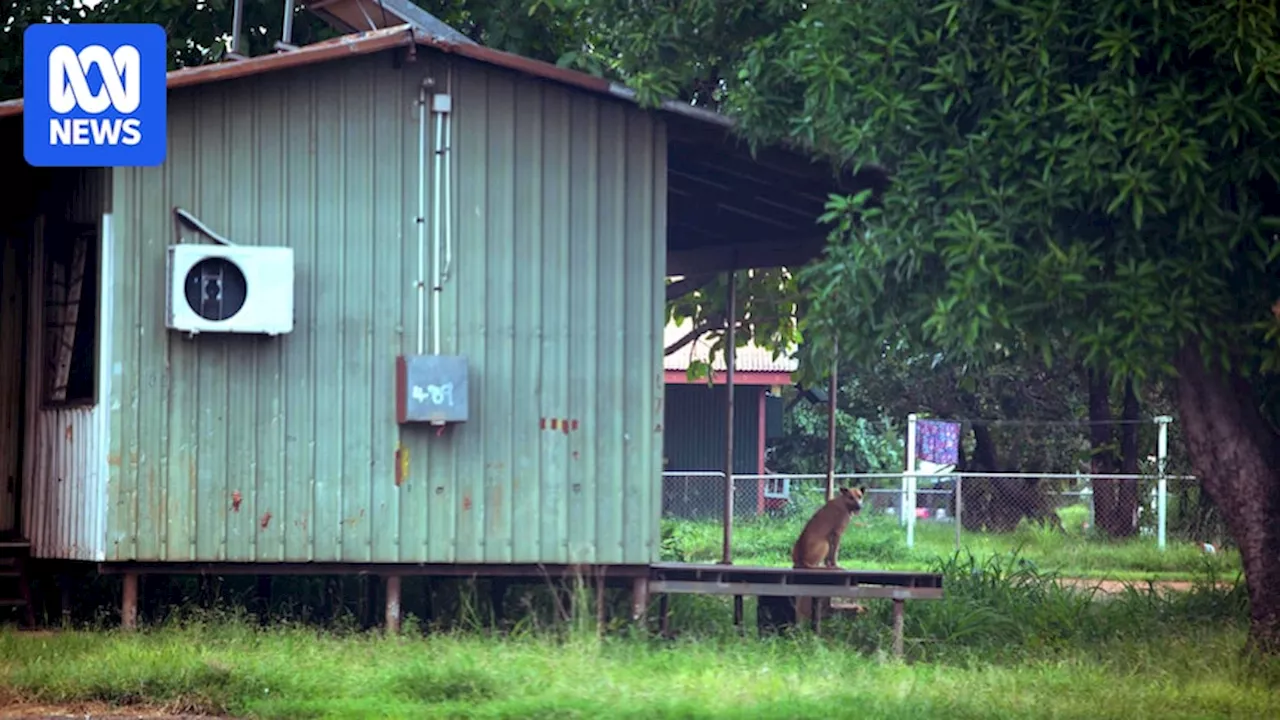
<point x="295" y="674"/>
<point x="1007" y="642"/>
<point x="878" y="542"/>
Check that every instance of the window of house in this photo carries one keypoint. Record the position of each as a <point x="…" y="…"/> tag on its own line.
<point x="70" y="312"/>
<point x="777" y="487"/>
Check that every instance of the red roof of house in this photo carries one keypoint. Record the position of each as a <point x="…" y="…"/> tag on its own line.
<point x="750" y="358"/>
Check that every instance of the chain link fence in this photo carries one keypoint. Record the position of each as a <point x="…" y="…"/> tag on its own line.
<point x="1061" y="516"/>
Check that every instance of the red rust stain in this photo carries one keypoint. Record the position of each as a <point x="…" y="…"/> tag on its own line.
<point x="564" y="424"/>
<point x="235" y="501"/>
<point x="466" y="502"/>
<point x="575" y="424"/>
<point x="554" y="421"/>
<point x="266" y="519"/>
<point x="68" y="433"/>
<point x="542" y="423"/>
<point x="113" y="460"/>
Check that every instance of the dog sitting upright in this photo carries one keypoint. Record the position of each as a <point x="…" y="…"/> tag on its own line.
<point x="819" y="542"/>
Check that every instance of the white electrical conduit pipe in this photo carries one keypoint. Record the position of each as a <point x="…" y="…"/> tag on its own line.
<point x="422" y="212"/>
<point x="437" y="211"/>
<point x="448" y="179"/>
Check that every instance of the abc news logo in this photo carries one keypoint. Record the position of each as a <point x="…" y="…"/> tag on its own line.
<point x="69" y="90"/>
<point x="95" y="95"/>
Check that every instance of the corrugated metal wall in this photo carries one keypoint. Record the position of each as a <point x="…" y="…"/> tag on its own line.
<point x="695" y="442"/>
<point x="251" y="449"/>
<point x="695" y="427"/>
<point x="65" y="458"/>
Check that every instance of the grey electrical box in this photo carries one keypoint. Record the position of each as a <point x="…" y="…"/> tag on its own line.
<point x="431" y="389"/>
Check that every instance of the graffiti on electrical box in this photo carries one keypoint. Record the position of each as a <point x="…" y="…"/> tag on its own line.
<point x="436" y="394"/>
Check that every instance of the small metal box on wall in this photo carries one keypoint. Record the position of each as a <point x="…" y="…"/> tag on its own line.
<point x="431" y="389"/>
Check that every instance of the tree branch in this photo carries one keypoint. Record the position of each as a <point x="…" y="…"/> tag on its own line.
<point x="715" y="322"/>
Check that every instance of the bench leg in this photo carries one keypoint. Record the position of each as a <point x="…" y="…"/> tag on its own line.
<point x="664" y="615"/>
<point x="391" y="615"/>
<point x="737" y="612"/>
<point x="898" y="607"/>
<point x="129" y="602"/>
<point x="640" y="601"/>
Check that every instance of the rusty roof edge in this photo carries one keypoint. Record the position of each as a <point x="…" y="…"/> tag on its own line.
<point x="362" y="43"/>
<point x="576" y="78"/>
<point x="676" y="107"/>
<point x="402" y="35"/>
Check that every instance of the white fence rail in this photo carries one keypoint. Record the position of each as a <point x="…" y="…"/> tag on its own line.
<point x="1000" y="503"/>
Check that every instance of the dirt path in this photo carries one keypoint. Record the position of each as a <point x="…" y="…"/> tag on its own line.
<point x="91" y="711"/>
<point x="1117" y="587"/>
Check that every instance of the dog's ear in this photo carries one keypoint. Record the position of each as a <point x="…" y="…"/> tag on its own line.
<point x="862" y="489"/>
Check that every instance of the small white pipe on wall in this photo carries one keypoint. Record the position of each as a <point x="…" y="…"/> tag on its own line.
<point x="421" y="219"/>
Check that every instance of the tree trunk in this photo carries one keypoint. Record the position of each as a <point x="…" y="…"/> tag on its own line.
<point x="980" y="495"/>
<point x="1126" y="510"/>
<point x="1106" y="492"/>
<point x="1233" y="453"/>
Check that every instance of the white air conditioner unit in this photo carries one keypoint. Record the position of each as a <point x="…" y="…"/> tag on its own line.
<point x="230" y="289"/>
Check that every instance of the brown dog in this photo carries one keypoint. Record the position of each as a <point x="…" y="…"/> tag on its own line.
<point x="819" y="542"/>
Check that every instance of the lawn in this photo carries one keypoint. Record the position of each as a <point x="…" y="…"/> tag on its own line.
<point x="292" y="673"/>
<point x="1005" y="643"/>
<point x="878" y="542"/>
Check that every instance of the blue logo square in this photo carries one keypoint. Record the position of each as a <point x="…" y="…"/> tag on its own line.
<point x="94" y="95"/>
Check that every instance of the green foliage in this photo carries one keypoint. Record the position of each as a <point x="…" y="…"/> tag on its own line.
<point x="862" y="445"/>
<point x="1099" y="175"/>
<point x="766" y="313"/>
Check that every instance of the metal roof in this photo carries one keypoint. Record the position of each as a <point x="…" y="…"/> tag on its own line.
<point x="405" y="35"/>
<point x="728" y="207"/>
<point x="750" y="358"/>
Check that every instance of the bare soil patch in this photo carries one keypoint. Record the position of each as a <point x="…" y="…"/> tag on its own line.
<point x="92" y="711"/>
<point x="1117" y="587"/>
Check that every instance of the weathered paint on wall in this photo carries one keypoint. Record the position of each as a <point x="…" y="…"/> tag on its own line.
<point x="286" y="449"/>
<point x="65" y="456"/>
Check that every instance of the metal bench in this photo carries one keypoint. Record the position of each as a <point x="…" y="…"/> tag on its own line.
<point x="791" y="585"/>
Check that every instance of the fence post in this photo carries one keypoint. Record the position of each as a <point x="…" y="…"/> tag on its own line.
<point x="1162" y="480"/>
<point x="908" y="501"/>
<point x="959" y="508"/>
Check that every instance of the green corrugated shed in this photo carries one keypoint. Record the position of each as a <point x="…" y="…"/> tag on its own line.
<point x="284" y="449"/>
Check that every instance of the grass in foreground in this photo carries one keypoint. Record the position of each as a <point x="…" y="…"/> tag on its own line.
<point x="878" y="542"/>
<point x="1007" y="642"/>
<point x="296" y="674"/>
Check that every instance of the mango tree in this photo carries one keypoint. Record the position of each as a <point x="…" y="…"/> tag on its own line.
<point x="1099" y="177"/>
